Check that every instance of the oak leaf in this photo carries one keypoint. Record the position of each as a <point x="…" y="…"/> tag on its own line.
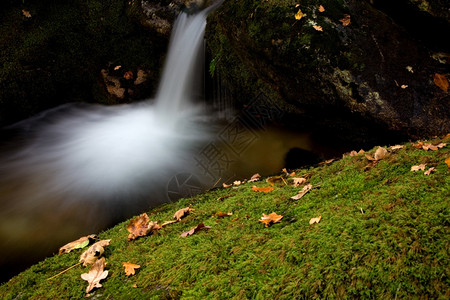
<point x="299" y="181"/>
<point x="303" y="192"/>
<point x="199" y="227"/>
<point x="315" y="220"/>
<point x="96" y="273"/>
<point x="264" y="189"/>
<point x="270" y="218"/>
<point x="130" y="268"/>
<point x="93" y="253"/>
<point x="141" y="226"/>
<point x="182" y="213"/>
<point x="441" y="81"/>
<point x="78" y="244"/>
<point x="420" y="167"/>
<point x="345" y="20"/>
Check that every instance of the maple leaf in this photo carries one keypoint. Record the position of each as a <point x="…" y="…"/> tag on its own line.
<point x="199" y="227"/>
<point x="78" y="244"/>
<point x="141" y="226"/>
<point x="315" y="220"/>
<point x="96" y="273"/>
<point x="299" y="181"/>
<point x="182" y="213"/>
<point x="222" y="214"/>
<point x="270" y="218"/>
<point x="345" y="20"/>
<point x="255" y="177"/>
<point x="26" y="13"/>
<point x="420" y="167"/>
<point x="264" y="189"/>
<point x="93" y="253"/>
<point x="318" y="28"/>
<point x="321" y="8"/>
<point x="299" y="15"/>
<point x="441" y="81"/>
<point x="303" y="192"/>
<point x="130" y="268"/>
<point x="429" y="171"/>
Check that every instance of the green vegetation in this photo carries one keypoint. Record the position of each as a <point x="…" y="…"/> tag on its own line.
<point x="384" y="234"/>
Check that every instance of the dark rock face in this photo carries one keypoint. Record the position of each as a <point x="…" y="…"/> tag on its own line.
<point x="371" y="67"/>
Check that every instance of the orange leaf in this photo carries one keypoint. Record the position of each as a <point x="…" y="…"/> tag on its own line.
<point x="321" y="8"/>
<point x="96" y="273"/>
<point x="182" y="213"/>
<point x="441" y="81"/>
<point x="222" y="214"/>
<point x="26" y="13"/>
<point x="199" y="227"/>
<point x="299" y="15"/>
<point x="317" y="27"/>
<point x="270" y="218"/>
<point x="315" y="220"/>
<point x="130" y="268"/>
<point x="447" y="161"/>
<point x="303" y="192"/>
<point x="264" y="189"/>
<point x="128" y="75"/>
<point x="345" y="20"/>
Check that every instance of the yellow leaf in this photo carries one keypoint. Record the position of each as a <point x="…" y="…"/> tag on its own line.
<point x="317" y="27"/>
<point x="441" y="81"/>
<point x="315" y="220"/>
<point x="299" y="15"/>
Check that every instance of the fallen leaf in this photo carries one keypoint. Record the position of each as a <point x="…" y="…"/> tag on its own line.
<point x="441" y="81"/>
<point x="78" y="244"/>
<point x="396" y="147"/>
<point x="26" y="13"/>
<point x="298" y="181"/>
<point x="404" y="86"/>
<point x="255" y="177"/>
<point x="117" y="68"/>
<point x="270" y="218"/>
<point x="128" y="75"/>
<point x="130" y="268"/>
<point x="447" y="161"/>
<point x="237" y="182"/>
<point x="315" y="220"/>
<point x="420" y="167"/>
<point x="96" y="273"/>
<point x="141" y="226"/>
<point x="226" y="185"/>
<point x="303" y="192"/>
<point x="199" y="227"/>
<point x="321" y="8"/>
<point x="168" y="222"/>
<point x="93" y="253"/>
<point x="345" y="20"/>
<point x="380" y="154"/>
<point x="429" y="171"/>
<point x="429" y="146"/>
<point x="317" y="27"/>
<point x="274" y="179"/>
<point x="182" y="213"/>
<point x="447" y="136"/>
<point x="264" y="189"/>
<point x="134" y="286"/>
<point x="222" y="214"/>
<point x="299" y="15"/>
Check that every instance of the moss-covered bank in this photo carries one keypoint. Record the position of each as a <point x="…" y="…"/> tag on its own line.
<point x="384" y="234"/>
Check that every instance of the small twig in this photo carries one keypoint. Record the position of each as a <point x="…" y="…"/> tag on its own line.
<point x="64" y="271"/>
<point x="285" y="183"/>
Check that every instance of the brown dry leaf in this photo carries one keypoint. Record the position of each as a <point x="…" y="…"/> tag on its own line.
<point x="237" y="182"/>
<point x="255" y="177"/>
<point x="318" y="28"/>
<point x="264" y="189"/>
<point x="274" y="179"/>
<point x="130" y="268"/>
<point x="226" y="185"/>
<point x="447" y="161"/>
<point x="128" y="75"/>
<point x="93" y="253"/>
<point x="141" y="226"/>
<point x="420" y="167"/>
<point x="298" y="181"/>
<point x="380" y="154"/>
<point x="299" y="15"/>
<point x="96" y="273"/>
<point x="345" y="20"/>
<point x="429" y="146"/>
<point x="315" y="220"/>
<point x="441" y="81"/>
<point x="447" y="136"/>
<point x="222" y="214"/>
<point x="321" y="8"/>
<point x="303" y="192"/>
<point x="199" y="227"/>
<point x="78" y="244"/>
<point x="270" y="218"/>
<point x="396" y="147"/>
<point x="429" y="171"/>
<point x="26" y="13"/>
<point x="182" y="213"/>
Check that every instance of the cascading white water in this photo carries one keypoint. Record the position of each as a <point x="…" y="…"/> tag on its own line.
<point x="79" y="166"/>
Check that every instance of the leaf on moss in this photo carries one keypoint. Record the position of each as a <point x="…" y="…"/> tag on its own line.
<point x="270" y="218"/>
<point x="222" y="214"/>
<point x="199" y="227"/>
<point x="93" y="253"/>
<point x="318" y="28"/>
<point x="141" y="226"/>
<point x="380" y="154"/>
<point x="264" y="189"/>
<point x="255" y="177"/>
<point x="117" y="67"/>
<point x="396" y="147"/>
<point x="128" y="75"/>
<point x="441" y="81"/>
<point x="345" y="20"/>
<point x="96" y="273"/>
<point x="78" y="244"/>
<point x="429" y="171"/>
<point x="447" y="161"/>
<point x="182" y="213"/>
<point x="299" y="15"/>
<point x="315" y="220"/>
<point x="299" y="181"/>
<point x="303" y="192"/>
<point x="130" y="268"/>
<point x="420" y="167"/>
<point x="226" y="185"/>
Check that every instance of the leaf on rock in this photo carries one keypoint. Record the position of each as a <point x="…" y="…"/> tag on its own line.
<point x="141" y="226"/>
<point x="96" y="273"/>
<point x="93" y="253"/>
<point x="264" y="189"/>
<point x="303" y="192"/>
<point x="420" y="167"/>
<point x="441" y="81"/>
<point x="199" y="227"/>
<point x="130" y="268"/>
<point x="299" y="15"/>
<point x="182" y="213"/>
<point x="315" y="220"/>
<point x="345" y="20"/>
<point x="255" y="177"/>
<point x="270" y="218"/>
<point x="318" y="28"/>
<point x="299" y="181"/>
<point x="78" y="244"/>
<point x="429" y="171"/>
<point x="321" y="8"/>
